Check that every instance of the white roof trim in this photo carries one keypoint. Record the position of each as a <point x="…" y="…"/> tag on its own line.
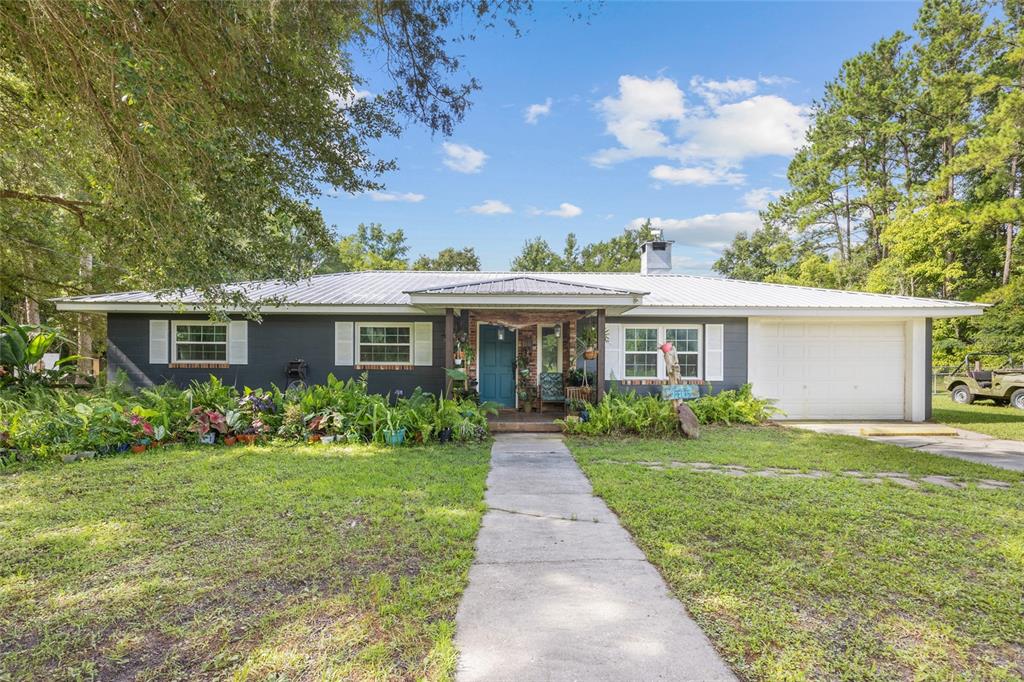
<point x="286" y="309"/>
<point x="935" y="312"/>
<point x="628" y="310"/>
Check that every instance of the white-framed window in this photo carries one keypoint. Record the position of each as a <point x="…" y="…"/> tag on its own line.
<point x="199" y="341"/>
<point x="641" y="352"/>
<point x="383" y="343"/>
<point x="550" y="350"/>
<point x="686" y="340"/>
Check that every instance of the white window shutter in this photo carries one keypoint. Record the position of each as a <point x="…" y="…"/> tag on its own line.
<point x="614" y="360"/>
<point x="714" y="352"/>
<point x="159" y="340"/>
<point x="238" y="342"/>
<point x="344" y="334"/>
<point x="423" y="343"/>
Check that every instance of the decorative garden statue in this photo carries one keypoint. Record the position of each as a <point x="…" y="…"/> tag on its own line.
<point x="687" y="419"/>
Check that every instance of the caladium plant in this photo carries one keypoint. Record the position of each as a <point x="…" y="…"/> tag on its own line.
<point x="204" y="421"/>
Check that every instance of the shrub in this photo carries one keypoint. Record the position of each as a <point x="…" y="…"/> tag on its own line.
<point x="629" y="413"/>
<point x="733" y="407"/>
<point x="42" y="422"/>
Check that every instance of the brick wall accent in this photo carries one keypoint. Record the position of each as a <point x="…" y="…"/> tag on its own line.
<point x="527" y="350"/>
<point x="568" y="347"/>
<point x="471" y="342"/>
<point x="198" y="365"/>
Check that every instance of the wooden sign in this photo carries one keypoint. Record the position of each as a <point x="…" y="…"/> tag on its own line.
<point x="680" y="391"/>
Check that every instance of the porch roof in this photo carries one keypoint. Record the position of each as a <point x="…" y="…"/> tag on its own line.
<point x="539" y="292"/>
<point x="525" y="284"/>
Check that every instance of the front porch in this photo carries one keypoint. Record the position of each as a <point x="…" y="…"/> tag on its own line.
<point x="524" y="341"/>
<point x="532" y="361"/>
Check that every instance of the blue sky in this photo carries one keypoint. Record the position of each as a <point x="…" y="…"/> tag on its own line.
<point x="686" y="113"/>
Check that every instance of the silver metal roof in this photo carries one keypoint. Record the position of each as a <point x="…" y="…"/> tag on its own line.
<point x="525" y="284"/>
<point x="387" y="288"/>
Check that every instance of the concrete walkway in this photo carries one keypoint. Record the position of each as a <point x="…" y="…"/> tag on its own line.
<point x="559" y="591"/>
<point x="968" y="445"/>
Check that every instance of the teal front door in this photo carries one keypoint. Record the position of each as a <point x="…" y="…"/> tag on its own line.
<point x="497" y="366"/>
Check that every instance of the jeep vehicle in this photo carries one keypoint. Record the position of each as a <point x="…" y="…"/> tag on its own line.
<point x="1003" y="385"/>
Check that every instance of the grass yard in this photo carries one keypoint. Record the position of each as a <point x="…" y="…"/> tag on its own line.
<point x="832" y="577"/>
<point x="983" y="417"/>
<point x="247" y="563"/>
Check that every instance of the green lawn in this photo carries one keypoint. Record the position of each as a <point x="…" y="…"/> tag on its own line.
<point x="827" y="578"/>
<point x="983" y="417"/>
<point x="251" y="563"/>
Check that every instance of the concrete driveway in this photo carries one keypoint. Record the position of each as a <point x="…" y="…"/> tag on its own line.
<point x="967" y="445"/>
<point x="559" y="591"/>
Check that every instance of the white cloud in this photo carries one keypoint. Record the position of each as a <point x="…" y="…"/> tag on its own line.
<point x="696" y="175"/>
<point x="776" y="80"/>
<point x="564" y="210"/>
<point x="535" y="111"/>
<point x="758" y="198"/>
<point x="716" y="91"/>
<point x="347" y="99"/>
<point x="463" y="158"/>
<point x="764" y="125"/>
<point x="711" y="231"/>
<point x="491" y="207"/>
<point x="649" y="119"/>
<point x="634" y="118"/>
<point x="411" y="197"/>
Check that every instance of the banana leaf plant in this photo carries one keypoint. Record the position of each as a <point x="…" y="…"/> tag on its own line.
<point x="22" y="347"/>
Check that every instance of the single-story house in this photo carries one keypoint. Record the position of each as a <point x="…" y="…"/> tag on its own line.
<point x="821" y="354"/>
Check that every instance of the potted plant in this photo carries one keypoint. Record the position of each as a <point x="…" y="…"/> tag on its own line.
<point x="527" y="397"/>
<point x="315" y="424"/>
<point x="580" y="408"/>
<point x="588" y="340"/>
<point x="393" y="433"/>
<point x="207" y="424"/>
<point x="332" y="423"/>
<point x="234" y="420"/>
<point x="142" y="432"/>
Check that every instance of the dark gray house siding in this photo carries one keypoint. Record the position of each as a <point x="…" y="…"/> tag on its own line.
<point x="273" y="342"/>
<point x="735" y="349"/>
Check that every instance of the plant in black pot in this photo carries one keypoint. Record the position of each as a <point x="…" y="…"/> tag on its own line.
<point x="581" y="408"/>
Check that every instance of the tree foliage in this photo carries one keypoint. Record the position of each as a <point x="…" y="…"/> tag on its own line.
<point x="370" y="247"/>
<point x="180" y="143"/>
<point x="618" y="254"/>
<point x="909" y="180"/>
<point x="450" y="260"/>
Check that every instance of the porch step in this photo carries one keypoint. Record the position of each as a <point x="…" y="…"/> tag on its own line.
<point x="501" y="426"/>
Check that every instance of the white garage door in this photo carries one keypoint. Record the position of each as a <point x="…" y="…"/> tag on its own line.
<point x="830" y="370"/>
